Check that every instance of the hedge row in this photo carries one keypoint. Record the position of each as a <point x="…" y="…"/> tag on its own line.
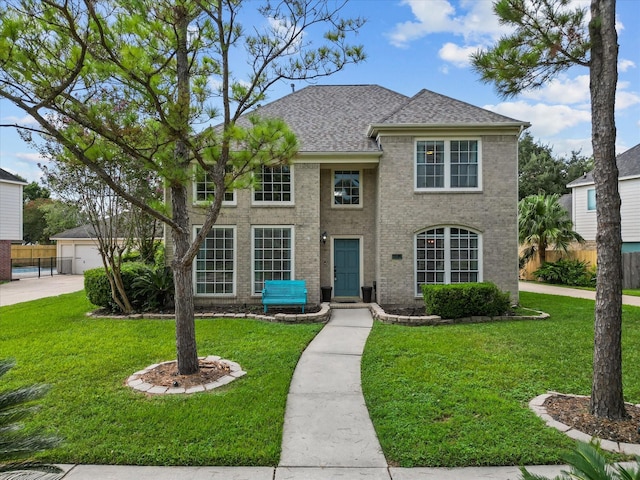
<point x="465" y="300"/>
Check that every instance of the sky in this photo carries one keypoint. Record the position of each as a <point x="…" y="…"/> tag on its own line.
<point x="425" y="44"/>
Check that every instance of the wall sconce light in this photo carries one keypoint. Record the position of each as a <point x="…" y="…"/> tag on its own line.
<point x="323" y="237"/>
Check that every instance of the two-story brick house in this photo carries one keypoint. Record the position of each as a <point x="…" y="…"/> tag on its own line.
<point x="387" y="191"/>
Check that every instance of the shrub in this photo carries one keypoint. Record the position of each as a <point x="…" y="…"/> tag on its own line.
<point x="567" y="272"/>
<point x="154" y="288"/>
<point x="465" y="300"/>
<point x="98" y="289"/>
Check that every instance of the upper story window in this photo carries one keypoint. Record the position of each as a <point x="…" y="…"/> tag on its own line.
<point x="275" y="185"/>
<point x="447" y="255"/>
<point x="204" y="189"/>
<point x="347" y="188"/>
<point x="591" y="199"/>
<point x="448" y="165"/>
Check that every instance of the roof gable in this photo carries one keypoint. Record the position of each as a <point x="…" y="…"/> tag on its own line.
<point x="10" y="178"/>
<point x="628" y="164"/>
<point x="430" y="108"/>
<point x="339" y="118"/>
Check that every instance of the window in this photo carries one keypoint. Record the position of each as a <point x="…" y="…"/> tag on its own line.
<point x="215" y="263"/>
<point x="204" y="188"/>
<point x="591" y="199"/>
<point x="272" y="255"/>
<point x="447" y="165"/>
<point x="275" y="185"/>
<point x="346" y="187"/>
<point x="447" y="255"/>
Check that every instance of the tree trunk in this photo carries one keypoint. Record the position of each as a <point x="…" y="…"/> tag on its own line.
<point x="187" y="352"/>
<point x="607" y="399"/>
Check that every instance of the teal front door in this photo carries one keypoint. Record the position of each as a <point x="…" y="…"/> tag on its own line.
<point x="346" y="267"/>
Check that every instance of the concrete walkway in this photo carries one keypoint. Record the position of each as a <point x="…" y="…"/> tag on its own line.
<point x="27" y="289"/>
<point x="328" y="434"/>
<point x="571" y="292"/>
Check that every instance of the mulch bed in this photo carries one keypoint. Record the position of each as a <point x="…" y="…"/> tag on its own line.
<point x="574" y="412"/>
<point x="166" y="374"/>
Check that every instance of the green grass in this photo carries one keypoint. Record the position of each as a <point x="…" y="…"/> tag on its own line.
<point x="457" y="395"/>
<point x="86" y="361"/>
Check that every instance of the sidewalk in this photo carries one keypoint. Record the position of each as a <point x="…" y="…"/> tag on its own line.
<point x="534" y="287"/>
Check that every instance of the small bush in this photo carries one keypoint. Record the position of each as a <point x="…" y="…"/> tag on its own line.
<point x="154" y="288"/>
<point x="98" y="289"/>
<point x="465" y="300"/>
<point x="567" y="272"/>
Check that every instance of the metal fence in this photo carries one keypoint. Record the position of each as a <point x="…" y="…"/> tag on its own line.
<point x="41" y="266"/>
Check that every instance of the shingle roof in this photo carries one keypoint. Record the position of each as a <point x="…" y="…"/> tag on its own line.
<point x="628" y="166"/>
<point x="83" y="231"/>
<point x="432" y="108"/>
<point x="9" y="177"/>
<point x="336" y="118"/>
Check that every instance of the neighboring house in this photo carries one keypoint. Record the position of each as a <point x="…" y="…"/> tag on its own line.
<point x="11" y="215"/>
<point x="583" y="193"/>
<point x="77" y="250"/>
<point x="387" y="191"/>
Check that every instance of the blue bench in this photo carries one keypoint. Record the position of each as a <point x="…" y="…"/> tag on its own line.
<point x="284" y="292"/>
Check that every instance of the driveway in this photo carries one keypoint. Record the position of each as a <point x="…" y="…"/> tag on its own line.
<point x="571" y="292"/>
<point x="27" y="289"/>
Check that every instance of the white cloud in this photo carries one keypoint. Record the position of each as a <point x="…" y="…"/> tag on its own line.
<point x="546" y="120"/>
<point x="626" y="99"/>
<point x="30" y="157"/>
<point x="624" y="65"/>
<point x="563" y="90"/>
<point x="473" y="21"/>
<point x="26" y="120"/>
<point x="459" y="56"/>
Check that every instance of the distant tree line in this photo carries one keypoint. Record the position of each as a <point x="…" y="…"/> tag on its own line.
<point x="540" y="172"/>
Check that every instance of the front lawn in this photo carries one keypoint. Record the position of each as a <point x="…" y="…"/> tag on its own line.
<point x="86" y="361"/>
<point x="457" y="395"/>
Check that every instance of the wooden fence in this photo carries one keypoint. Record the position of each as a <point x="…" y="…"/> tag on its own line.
<point x="21" y="252"/>
<point x="630" y="265"/>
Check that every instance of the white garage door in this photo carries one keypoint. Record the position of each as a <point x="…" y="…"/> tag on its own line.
<point x="87" y="257"/>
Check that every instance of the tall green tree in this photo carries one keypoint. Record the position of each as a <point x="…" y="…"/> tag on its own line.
<point x="538" y="171"/>
<point x="74" y="65"/>
<point x="549" y="38"/>
<point x="543" y="223"/>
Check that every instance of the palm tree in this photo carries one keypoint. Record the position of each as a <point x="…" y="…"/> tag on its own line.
<point x="588" y="463"/>
<point x="542" y="223"/>
<point x="15" y="445"/>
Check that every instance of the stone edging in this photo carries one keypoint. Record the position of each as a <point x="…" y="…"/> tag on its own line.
<point x="537" y="405"/>
<point x="379" y="314"/>
<point x="135" y="382"/>
<point x="317" y="317"/>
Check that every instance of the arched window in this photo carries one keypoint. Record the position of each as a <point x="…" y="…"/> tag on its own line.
<point x="447" y="255"/>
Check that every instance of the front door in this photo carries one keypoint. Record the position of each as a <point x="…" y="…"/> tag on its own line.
<point x="346" y="267"/>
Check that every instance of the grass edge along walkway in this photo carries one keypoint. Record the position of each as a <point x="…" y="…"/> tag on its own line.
<point x="86" y="361"/>
<point x="457" y="395"/>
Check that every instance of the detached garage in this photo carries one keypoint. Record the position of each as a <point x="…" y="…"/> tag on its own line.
<point x="78" y="249"/>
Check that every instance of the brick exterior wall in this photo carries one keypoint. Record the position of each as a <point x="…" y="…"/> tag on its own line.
<point x="303" y="215"/>
<point x="391" y="215"/>
<point x="5" y="260"/>
<point x="402" y="213"/>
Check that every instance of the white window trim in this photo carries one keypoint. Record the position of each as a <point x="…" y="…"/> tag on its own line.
<point x="203" y="203"/>
<point x="259" y="203"/>
<point x="235" y="265"/>
<point x="447" y="254"/>
<point x="447" y="165"/>
<point x="360" y="205"/>
<point x="253" y="253"/>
